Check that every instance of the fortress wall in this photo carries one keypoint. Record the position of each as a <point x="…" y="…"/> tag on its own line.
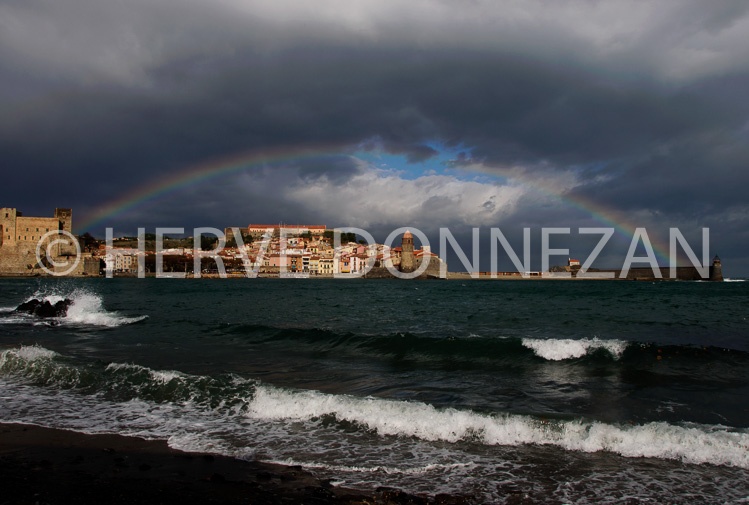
<point x="87" y="266"/>
<point x="21" y="236"/>
<point x="20" y="259"/>
<point x="682" y="274"/>
<point x="432" y="271"/>
<point x="433" y="267"/>
<point x="32" y="229"/>
<point x="17" y="259"/>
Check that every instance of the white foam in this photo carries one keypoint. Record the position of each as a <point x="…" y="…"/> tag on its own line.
<point x="692" y="444"/>
<point x="350" y="456"/>
<point x="734" y="280"/>
<point x="390" y="470"/>
<point x="86" y="309"/>
<point x="14" y="319"/>
<point x="559" y="349"/>
<point x="185" y="423"/>
<point x="160" y="376"/>
<point x="46" y="296"/>
<point x="29" y="353"/>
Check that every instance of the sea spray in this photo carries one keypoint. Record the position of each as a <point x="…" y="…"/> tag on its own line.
<point x="233" y="396"/>
<point x="561" y="349"/>
<point x="86" y="309"/>
<point x="522" y="423"/>
<point x="693" y="443"/>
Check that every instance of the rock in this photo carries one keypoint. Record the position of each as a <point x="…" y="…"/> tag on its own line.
<point x="61" y="307"/>
<point x="28" y="307"/>
<point x="44" y="308"/>
<point x="393" y="496"/>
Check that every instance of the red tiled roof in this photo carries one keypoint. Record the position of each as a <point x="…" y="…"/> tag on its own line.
<point x="275" y="226"/>
<point x="421" y="252"/>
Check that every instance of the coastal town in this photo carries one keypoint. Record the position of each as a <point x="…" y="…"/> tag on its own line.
<point x="41" y="246"/>
<point x="271" y="251"/>
<point x="251" y="251"/>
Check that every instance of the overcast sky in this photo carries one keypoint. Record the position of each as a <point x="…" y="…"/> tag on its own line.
<point x="390" y="113"/>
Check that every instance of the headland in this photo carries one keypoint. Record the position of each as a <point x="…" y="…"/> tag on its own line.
<point x="45" y="246"/>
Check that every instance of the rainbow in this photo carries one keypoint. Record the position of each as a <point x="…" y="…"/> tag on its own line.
<point x="613" y="219"/>
<point x="163" y="188"/>
<point x="214" y="169"/>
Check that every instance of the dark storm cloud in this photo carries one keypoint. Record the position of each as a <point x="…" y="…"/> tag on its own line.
<point x="642" y="106"/>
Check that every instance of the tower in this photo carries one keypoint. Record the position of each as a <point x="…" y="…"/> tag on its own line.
<point x="716" y="271"/>
<point x="66" y="219"/>
<point x="408" y="261"/>
<point x="8" y="226"/>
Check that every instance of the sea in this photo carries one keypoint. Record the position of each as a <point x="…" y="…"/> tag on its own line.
<point x="510" y="391"/>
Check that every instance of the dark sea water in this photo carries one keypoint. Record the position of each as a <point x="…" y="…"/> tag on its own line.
<point x="545" y="391"/>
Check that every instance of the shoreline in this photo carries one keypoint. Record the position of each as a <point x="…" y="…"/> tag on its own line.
<point x="458" y="277"/>
<point x="57" y="466"/>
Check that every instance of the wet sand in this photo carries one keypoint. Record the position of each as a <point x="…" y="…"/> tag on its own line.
<point x="51" y="466"/>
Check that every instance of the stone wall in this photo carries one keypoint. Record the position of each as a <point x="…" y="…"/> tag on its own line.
<point x="8" y="225"/>
<point x="20" y="259"/>
<point x="17" y="259"/>
<point x="21" y="237"/>
<point x="682" y="274"/>
<point x="31" y="229"/>
<point x="433" y="270"/>
<point x="65" y="217"/>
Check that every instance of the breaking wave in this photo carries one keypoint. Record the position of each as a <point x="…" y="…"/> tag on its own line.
<point x="689" y="443"/>
<point x="123" y="381"/>
<point x="560" y="349"/>
<point x="231" y="402"/>
<point x="471" y="348"/>
<point x="87" y="309"/>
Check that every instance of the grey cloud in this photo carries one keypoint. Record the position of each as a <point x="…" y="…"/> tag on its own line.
<point x="643" y="105"/>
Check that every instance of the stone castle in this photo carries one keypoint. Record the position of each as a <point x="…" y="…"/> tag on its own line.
<point x="20" y="236"/>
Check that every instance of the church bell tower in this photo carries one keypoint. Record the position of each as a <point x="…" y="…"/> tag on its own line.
<point x="408" y="261"/>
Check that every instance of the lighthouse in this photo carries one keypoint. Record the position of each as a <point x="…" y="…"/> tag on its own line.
<point x="716" y="272"/>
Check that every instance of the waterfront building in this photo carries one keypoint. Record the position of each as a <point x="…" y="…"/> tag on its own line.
<point x="314" y="265"/>
<point x="325" y="266"/>
<point x="22" y="236"/>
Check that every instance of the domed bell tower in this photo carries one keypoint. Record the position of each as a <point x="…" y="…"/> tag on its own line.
<point x="408" y="261"/>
